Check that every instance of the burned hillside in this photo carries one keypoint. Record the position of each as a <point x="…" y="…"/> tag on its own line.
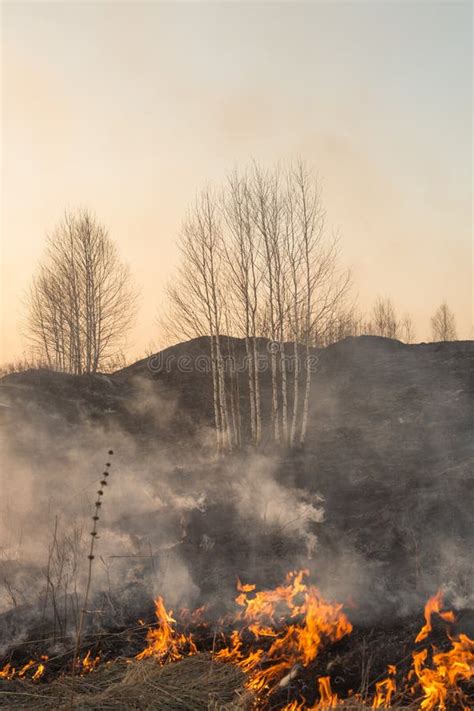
<point x="375" y="505"/>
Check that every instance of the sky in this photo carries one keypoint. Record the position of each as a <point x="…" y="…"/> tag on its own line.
<point x="131" y="108"/>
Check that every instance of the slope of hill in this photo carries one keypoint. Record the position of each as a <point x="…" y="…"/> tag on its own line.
<point x="389" y="450"/>
<point x="369" y="396"/>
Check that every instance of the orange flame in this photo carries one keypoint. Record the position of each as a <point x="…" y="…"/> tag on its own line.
<point x="328" y="700"/>
<point x="8" y="672"/>
<point x="434" y="605"/>
<point x="163" y="642"/>
<point x="265" y="615"/>
<point x="385" y="689"/>
<point x="440" y="683"/>
<point x="40" y="669"/>
<point x="89" y="664"/>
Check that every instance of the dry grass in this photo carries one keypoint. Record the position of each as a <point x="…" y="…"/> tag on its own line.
<point x="194" y="683"/>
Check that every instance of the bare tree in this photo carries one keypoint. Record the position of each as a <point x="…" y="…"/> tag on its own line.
<point x="341" y="323"/>
<point x="443" y="324"/>
<point x="198" y="295"/>
<point x="407" y="329"/>
<point x="295" y="256"/>
<point x="267" y="213"/>
<point x="311" y="220"/>
<point x="81" y="302"/>
<point x="185" y="317"/>
<point x="384" y="320"/>
<point x="242" y="248"/>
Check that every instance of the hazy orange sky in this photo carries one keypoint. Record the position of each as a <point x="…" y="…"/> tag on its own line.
<point x="130" y="108"/>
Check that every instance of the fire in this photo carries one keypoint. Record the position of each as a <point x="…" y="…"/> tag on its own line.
<point x="439" y="682"/>
<point x="385" y="689"/>
<point x="266" y="613"/>
<point x="266" y="603"/>
<point x="328" y="700"/>
<point x="163" y="642"/>
<point x="290" y="624"/>
<point x="40" y="669"/>
<point x="8" y="672"/>
<point x="277" y="634"/>
<point x="434" y="605"/>
<point x="294" y="706"/>
<point x="89" y="663"/>
<point x="322" y="622"/>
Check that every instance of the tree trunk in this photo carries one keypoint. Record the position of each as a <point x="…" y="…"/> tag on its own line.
<point x="304" y="421"/>
<point x="275" y="414"/>
<point x="284" y="394"/>
<point x="251" y="379"/>
<point x="233" y="413"/>
<point x="296" y="394"/>
<point x="226" y="435"/>
<point x="258" y="414"/>
<point x="215" y="389"/>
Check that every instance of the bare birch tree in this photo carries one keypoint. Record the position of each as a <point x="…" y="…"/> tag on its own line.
<point x="242" y="254"/>
<point x="443" y="324"/>
<point x="316" y="288"/>
<point x="407" y="329"/>
<point x="295" y="258"/>
<point x="311" y="218"/>
<point x="81" y="302"/>
<point x="198" y="293"/>
<point x="267" y="213"/>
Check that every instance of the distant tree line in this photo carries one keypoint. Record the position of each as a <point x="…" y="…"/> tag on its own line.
<point x="384" y="320"/>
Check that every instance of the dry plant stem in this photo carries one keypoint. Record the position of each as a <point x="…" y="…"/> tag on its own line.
<point x="48" y="569"/>
<point x="93" y="534"/>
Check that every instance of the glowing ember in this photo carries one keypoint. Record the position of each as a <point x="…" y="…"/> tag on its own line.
<point x="7" y="672"/>
<point x="89" y="663"/>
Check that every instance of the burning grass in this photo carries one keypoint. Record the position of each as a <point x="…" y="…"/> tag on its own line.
<point x="286" y="648"/>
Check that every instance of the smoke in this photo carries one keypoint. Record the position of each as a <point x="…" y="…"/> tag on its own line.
<point x="174" y="522"/>
<point x="270" y="503"/>
<point x="374" y="507"/>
